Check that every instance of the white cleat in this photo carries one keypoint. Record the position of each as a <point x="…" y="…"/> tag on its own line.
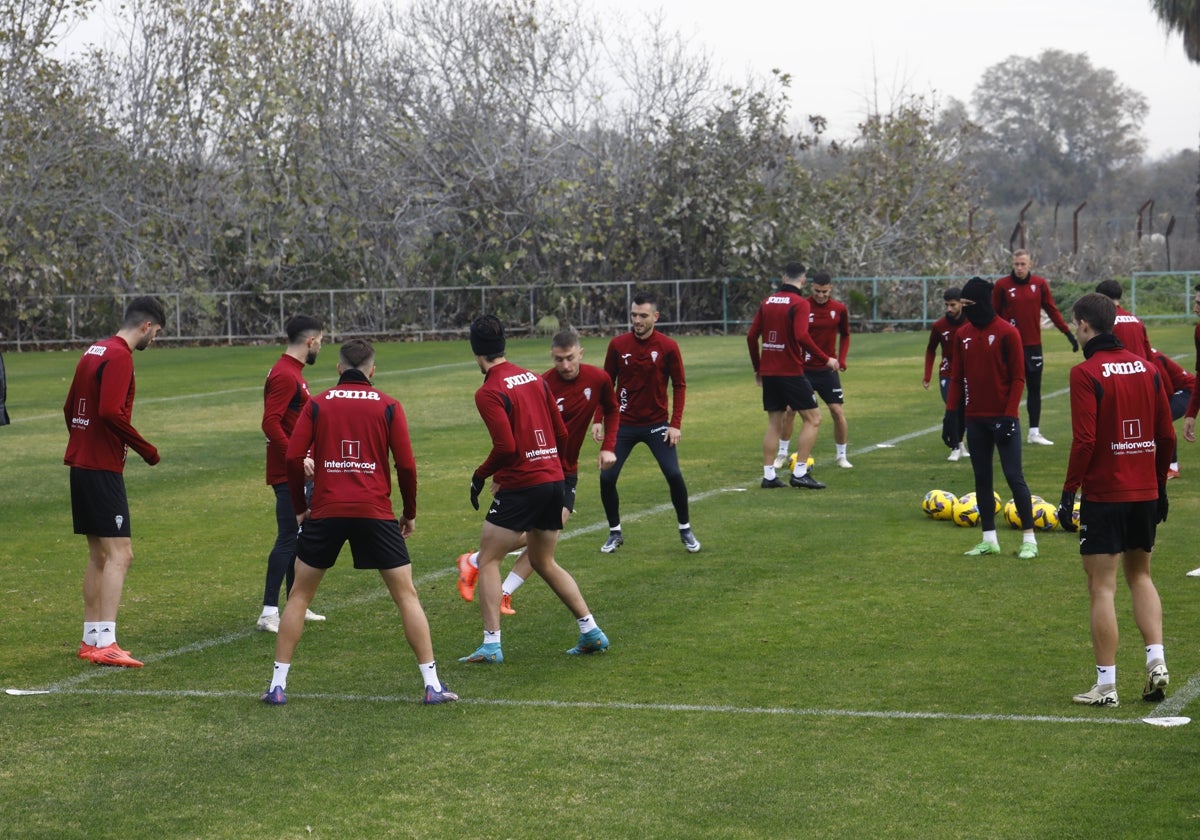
<point x="268" y="623"/>
<point x="309" y="615"/>
<point x="1038" y="437"/>
<point x="781" y="460"/>
<point x="955" y="454"/>
<point x="844" y="464"/>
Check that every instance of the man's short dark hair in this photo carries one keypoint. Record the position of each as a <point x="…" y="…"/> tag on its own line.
<point x="821" y="278"/>
<point x="1110" y="289"/>
<point x="565" y="339"/>
<point x="298" y="325"/>
<point x="953" y="293"/>
<point x="143" y="309"/>
<point x="642" y="298"/>
<point x="357" y="353"/>
<point x="487" y="337"/>
<point x="794" y="270"/>
<point x="1097" y="310"/>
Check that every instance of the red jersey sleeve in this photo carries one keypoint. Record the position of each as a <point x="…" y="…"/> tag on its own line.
<point x="116" y="399"/>
<point x="402" y="456"/>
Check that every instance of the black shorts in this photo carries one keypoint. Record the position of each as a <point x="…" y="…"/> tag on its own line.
<point x="569" y="484"/>
<point x="780" y="393"/>
<point x="1115" y="527"/>
<point x="828" y="384"/>
<point x="537" y="508"/>
<point x="374" y="543"/>
<point x="99" y="506"/>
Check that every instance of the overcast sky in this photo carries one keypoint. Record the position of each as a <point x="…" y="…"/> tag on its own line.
<point x="843" y="54"/>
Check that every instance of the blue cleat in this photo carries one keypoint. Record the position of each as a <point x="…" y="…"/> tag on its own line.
<point x="275" y="696"/>
<point x="593" y="641"/>
<point x="434" y="696"/>
<point x="485" y="653"/>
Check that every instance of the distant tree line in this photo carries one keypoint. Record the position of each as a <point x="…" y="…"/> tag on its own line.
<point x="253" y="145"/>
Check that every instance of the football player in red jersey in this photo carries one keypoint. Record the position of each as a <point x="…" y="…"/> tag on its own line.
<point x="1121" y="445"/>
<point x="98" y="412"/>
<point x="581" y="392"/>
<point x="942" y="334"/>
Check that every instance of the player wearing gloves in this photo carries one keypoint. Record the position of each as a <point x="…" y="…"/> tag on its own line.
<point x="987" y="377"/>
<point x="1020" y="298"/>
<point x="526" y="427"/>
<point x="1120" y="453"/>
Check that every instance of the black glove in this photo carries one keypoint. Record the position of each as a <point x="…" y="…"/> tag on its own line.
<point x="1162" y="503"/>
<point x="476" y="489"/>
<point x="1066" y="511"/>
<point x="1074" y="342"/>
<point x="1006" y="428"/>
<point x="950" y="433"/>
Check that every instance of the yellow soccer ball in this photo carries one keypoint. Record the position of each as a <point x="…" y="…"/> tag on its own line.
<point x="966" y="511"/>
<point x="938" y="504"/>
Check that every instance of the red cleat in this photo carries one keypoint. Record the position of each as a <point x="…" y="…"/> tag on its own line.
<point x="113" y="655"/>
<point x="467" y="575"/>
<point x="86" y="651"/>
<point x="506" y="605"/>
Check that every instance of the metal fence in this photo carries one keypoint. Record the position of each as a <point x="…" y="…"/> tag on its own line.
<point x="698" y="305"/>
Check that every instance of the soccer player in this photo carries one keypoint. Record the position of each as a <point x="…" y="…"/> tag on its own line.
<point x="98" y="413"/>
<point x="640" y="363"/>
<point x="987" y="376"/>
<point x="1121" y="447"/>
<point x="526" y="429"/>
<point x="1181" y="388"/>
<point x="829" y="326"/>
<point x="1128" y="328"/>
<point x="1020" y="298"/>
<point x="348" y="432"/>
<point x="581" y="391"/>
<point x="782" y="324"/>
<point x="284" y="395"/>
<point x="942" y="334"/>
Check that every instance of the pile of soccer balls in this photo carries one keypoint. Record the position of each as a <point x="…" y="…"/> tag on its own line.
<point x="964" y="510"/>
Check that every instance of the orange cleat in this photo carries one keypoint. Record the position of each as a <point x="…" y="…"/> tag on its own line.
<point x="86" y="651"/>
<point x="113" y="655"/>
<point x="1172" y="474"/>
<point x="506" y="605"/>
<point x="467" y="575"/>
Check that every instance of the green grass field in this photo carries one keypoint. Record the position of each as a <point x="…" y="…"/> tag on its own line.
<point x="829" y="665"/>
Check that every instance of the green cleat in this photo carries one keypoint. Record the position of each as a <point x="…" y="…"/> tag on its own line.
<point x="1028" y="551"/>
<point x="984" y="547"/>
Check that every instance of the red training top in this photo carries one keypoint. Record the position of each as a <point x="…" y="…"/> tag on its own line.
<point x="284" y="394"/>
<point x="1131" y="332"/>
<point x="579" y="399"/>
<point x="639" y="369"/>
<point x="782" y="323"/>
<point x="99" y="410"/>
<point x="987" y="370"/>
<point x="526" y="427"/>
<point x="350" y="429"/>
<point x="1021" y="304"/>
<point x="941" y="333"/>
<point x="827" y="322"/>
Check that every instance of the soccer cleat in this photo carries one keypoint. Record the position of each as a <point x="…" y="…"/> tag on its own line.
<point x="113" y="655"/>
<point x="1172" y="473"/>
<point x="86" y="651"/>
<point x="309" y="615"/>
<point x="1038" y="437"/>
<point x="593" y="641"/>
<point x="689" y="540"/>
<point x="806" y="481"/>
<point x="441" y="694"/>
<point x="1194" y="572"/>
<point x="770" y="483"/>
<point x="843" y="463"/>
<point x="955" y="454"/>
<point x="1157" y="679"/>
<point x="275" y="697"/>
<point x="781" y="460"/>
<point x="268" y="623"/>
<point x="614" y="541"/>
<point x="506" y="605"/>
<point x="486" y="654"/>
<point x="984" y="547"/>
<point x="1029" y="551"/>
<point x="1098" y="695"/>
<point x="467" y="576"/>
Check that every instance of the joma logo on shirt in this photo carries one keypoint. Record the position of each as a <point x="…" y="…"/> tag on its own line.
<point x="1121" y="368"/>
<point x="777" y="299"/>
<point x="520" y="379"/>
<point x="340" y="394"/>
<point x="96" y="350"/>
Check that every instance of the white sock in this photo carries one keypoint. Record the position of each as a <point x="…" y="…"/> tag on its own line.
<point x="474" y="559"/>
<point x="800" y="469"/>
<point x="1029" y="537"/>
<point x="106" y="633"/>
<point x="1033" y="430"/>
<point x="491" y="637"/>
<point x="429" y="674"/>
<point x="1106" y="674"/>
<point x="512" y="583"/>
<point x="685" y="526"/>
<point x="1175" y="466"/>
<point x="269" y="611"/>
<point x="769" y="472"/>
<point x="280" y="674"/>
<point x="91" y="632"/>
<point x="1154" y="652"/>
<point x="841" y="449"/>
<point x="586" y="624"/>
<point x="990" y="536"/>
<point x="783" y="447"/>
